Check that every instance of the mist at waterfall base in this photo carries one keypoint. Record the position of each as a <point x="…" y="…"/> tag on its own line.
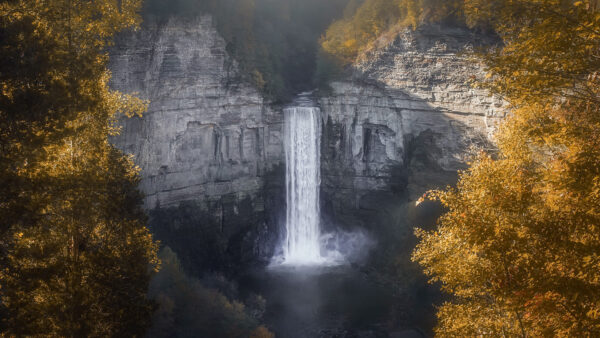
<point x="335" y="248"/>
<point x="304" y="244"/>
<point x="318" y="283"/>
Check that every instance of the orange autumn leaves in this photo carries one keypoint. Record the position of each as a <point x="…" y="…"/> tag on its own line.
<point x="519" y="248"/>
<point x="364" y="23"/>
<point x="75" y="253"/>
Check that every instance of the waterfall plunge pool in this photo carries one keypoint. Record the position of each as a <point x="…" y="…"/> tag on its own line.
<point x="320" y="301"/>
<point x="310" y="287"/>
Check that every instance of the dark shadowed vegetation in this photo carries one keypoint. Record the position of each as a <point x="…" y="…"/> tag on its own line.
<point x="188" y="308"/>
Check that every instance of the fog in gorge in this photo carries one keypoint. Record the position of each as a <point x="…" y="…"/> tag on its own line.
<point x="275" y="42"/>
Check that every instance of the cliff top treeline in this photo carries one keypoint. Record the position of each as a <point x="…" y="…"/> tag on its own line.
<point x="367" y="21"/>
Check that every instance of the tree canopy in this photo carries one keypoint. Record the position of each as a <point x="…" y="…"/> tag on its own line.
<point x="366" y="22"/>
<point x="519" y="247"/>
<point x="76" y="257"/>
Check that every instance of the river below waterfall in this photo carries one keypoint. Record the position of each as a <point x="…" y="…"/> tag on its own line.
<point x="320" y="301"/>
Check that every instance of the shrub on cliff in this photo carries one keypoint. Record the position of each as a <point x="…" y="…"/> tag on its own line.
<point x="363" y="24"/>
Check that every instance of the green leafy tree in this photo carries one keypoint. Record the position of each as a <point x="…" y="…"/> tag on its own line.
<point x="76" y="256"/>
<point x="519" y="248"/>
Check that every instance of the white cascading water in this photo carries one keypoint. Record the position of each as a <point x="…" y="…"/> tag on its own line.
<point x="303" y="178"/>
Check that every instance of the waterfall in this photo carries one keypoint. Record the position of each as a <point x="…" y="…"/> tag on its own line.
<point x="303" y="178"/>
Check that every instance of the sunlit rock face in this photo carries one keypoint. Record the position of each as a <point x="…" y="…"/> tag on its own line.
<point x="208" y="139"/>
<point x="404" y="122"/>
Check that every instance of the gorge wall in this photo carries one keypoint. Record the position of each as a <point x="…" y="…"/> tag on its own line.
<point x="403" y="124"/>
<point x="210" y="147"/>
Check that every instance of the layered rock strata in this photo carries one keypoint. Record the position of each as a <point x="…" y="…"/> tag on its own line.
<point x="406" y="120"/>
<point x="210" y="147"/>
<point x="208" y="137"/>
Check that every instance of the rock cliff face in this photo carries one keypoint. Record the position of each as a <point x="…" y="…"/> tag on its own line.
<point x="206" y="133"/>
<point x="404" y="122"/>
<point x="207" y="142"/>
<point x="211" y="148"/>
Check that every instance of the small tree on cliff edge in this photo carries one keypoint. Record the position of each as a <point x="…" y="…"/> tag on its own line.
<point x="519" y="247"/>
<point x="75" y="255"/>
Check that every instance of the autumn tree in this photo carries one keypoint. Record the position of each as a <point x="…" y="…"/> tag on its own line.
<point x="519" y="248"/>
<point x="363" y="25"/>
<point x="75" y="256"/>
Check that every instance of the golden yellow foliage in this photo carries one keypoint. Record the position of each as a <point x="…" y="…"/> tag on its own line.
<point x="261" y="332"/>
<point x="75" y="255"/>
<point x="519" y="247"/>
<point x="348" y="37"/>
